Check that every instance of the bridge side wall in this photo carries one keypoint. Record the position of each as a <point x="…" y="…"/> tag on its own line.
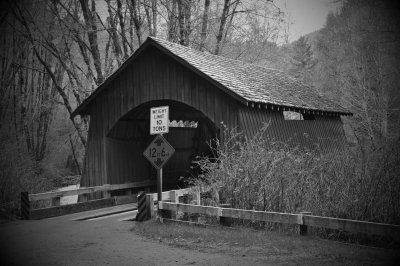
<point x="152" y="76"/>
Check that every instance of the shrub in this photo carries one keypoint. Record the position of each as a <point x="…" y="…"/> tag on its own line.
<point x="18" y="172"/>
<point x="258" y="174"/>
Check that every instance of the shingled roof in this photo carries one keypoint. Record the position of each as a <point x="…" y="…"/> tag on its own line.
<point x="251" y="83"/>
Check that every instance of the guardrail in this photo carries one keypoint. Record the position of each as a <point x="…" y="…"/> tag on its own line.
<point x="28" y="212"/>
<point x="146" y="208"/>
<point x="302" y="219"/>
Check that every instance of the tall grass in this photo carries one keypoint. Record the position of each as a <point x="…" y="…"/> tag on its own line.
<point x="258" y="174"/>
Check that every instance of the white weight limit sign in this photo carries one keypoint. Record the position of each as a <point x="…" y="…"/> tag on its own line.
<point x="159" y="117"/>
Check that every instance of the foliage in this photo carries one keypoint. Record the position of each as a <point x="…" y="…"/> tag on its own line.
<point x="256" y="174"/>
<point x="358" y="66"/>
<point x="56" y="52"/>
<point x="302" y="59"/>
<point x="19" y="172"/>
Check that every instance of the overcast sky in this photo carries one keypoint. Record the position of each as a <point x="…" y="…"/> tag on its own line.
<point x="306" y="15"/>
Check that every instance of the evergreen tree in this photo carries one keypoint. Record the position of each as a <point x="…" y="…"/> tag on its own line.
<point x="302" y="59"/>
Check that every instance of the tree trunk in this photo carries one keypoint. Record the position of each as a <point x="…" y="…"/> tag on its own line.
<point x="122" y="25"/>
<point x="51" y="73"/>
<point x="184" y="13"/>
<point x="92" y="36"/>
<point x="172" y="20"/>
<point x="148" y="16"/>
<point x="154" y="9"/>
<point x="113" y="34"/>
<point x="220" y="34"/>
<point x="74" y="155"/>
<point x="188" y="23"/>
<point x="137" y="20"/>
<point x="203" y="34"/>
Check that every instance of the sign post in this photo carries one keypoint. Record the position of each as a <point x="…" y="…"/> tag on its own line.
<point x="159" y="150"/>
<point x="159" y="184"/>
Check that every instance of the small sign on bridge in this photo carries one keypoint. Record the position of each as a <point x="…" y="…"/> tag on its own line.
<point x="159" y="117"/>
<point x="158" y="152"/>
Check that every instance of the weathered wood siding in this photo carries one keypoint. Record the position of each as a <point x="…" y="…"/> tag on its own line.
<point x="152" y="76"/>
<point x="325" y="132"/>
<point x="118" y="131"/>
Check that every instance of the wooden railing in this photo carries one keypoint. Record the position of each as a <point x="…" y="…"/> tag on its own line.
<point x="301" y="219"/>
<point x="28" y="212"/>
<point x="167" y="196"/>
<point x="89" y="190"/>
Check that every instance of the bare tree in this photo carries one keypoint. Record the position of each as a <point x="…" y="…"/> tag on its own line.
<point x="137" y="19"/>
<point x="204" y="24"/>
<point x="21" y="16"/>
<point x="91" y="30"/>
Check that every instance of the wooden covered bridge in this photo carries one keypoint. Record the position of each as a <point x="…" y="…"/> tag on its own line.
<point x="202" y="90"/>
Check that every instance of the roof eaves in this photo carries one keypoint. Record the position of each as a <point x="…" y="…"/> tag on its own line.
<point x="288" y="107"/>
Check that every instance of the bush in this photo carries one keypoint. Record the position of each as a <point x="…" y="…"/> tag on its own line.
<point x="18" y="172"/>
<point x="258" y="174"/>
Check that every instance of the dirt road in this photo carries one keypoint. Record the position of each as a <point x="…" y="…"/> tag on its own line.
<point x="102" y="241"/>
<point x="105" y="241"/>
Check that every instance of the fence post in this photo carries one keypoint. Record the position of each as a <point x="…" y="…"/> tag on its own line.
<point x="300" y="221"/>
<point x="83" y="197"/>
<point x="25" y="206"/>
<point x="150" y="206"/>
<point x="141" y="199"/>
<point x="106" y="194"/>
<point x="174" y="196"/>
<point x="197" y="196"/>
<point x="225" y="221"/>
<point x="55" y="201"/>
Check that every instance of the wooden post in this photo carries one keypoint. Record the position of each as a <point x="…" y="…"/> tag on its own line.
<point x="174" y="196"/>
<point x="195" y="199"/>
<point x="25" y="206"/>
<point x="196" y="196"/>
<point x="303" y="227"/>
<point x="106" y="194"/>
<point x="149" y="206"/>
<point x="55" y="201"/>
<point x="142" y="207"/>
<point x="84" y="197"/>
<point x="225" y="221"/>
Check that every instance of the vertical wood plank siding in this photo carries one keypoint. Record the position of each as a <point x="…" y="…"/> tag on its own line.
<point x="325" y="132"/>
<point x="116" y="143"/>
<point x="153" y="76"/>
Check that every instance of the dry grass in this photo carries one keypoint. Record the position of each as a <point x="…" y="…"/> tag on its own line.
<point x="258" y="174"/>
<point x="269" y="245"/>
